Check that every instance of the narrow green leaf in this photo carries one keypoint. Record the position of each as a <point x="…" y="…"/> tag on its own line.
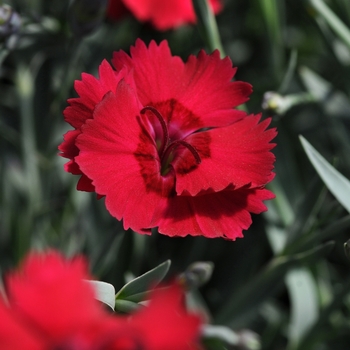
<point x="249" y="296"/>
<point x="104" y="292"/>
<point x="3" y="55"/>
<point x="306" y="214"/>
<point x="272" y="16"/>
<point x="221" y="332"/>
<point x="304" y="300"/>
<point x="334" y="180"/>
<point x="272" y="19"/>
<point x="333" y="20"/>
<point x="25" y="79"/>
<point x="289" y="72"/>
<point x="305" y="241"/>
<point x="335" y="228"/>
<point x="136" y="289"/>
<point x="243" y="339"/>
<point x="335" y="102"/>
<point x="316" y="85"/>
<point x="315" y="334"/>
<point x="277" y="238"/>
<point x="281" y="204"/>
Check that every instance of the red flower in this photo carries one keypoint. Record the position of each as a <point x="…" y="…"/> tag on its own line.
<point x="162" y="141"/>
<point x="116" y="9"/>
<point x="164" y="323"/>
<point x="50" y="306"/>
<point x="162" y="14"/>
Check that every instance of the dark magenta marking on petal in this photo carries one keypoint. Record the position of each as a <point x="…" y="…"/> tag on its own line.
<point x="186" y="164"/>
<point x="180" y="120"/>
<point x="149" y="162"/>
<point x="175" y="155"/>
<point x="154" y="182"/>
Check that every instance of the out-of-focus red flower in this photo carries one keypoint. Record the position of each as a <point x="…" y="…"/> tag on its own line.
<point x="116" y="9"/>
<point x="49" y="291"/>
<point x="50" y="306"/>
<point x="164" y="323"/>
<point x="162" y="141"/>
<point x="162" y="14"/>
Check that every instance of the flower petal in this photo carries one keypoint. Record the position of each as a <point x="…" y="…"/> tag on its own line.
<point x="166" y="14"/>
<point x="91" y="91"/>
<point x="121" y="158"/>
<point x="157" y="73"/>
<point x="85" y="184"/>
<point x="13" y="334"/>
<point x="208" y="90"/>
<point x="202" y="86"/>
<point x="237" y="155"/>
<point x="163" y="14"/>
<point x="165" y="324"/>
<point x="68" y="148"/>
<point x="48" y="280"/>
<point x="219" y="214"/>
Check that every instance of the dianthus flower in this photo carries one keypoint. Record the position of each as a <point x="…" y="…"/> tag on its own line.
<point x="162" y="141"/>
<point x="162" y="14"/>
<point x="50" y="306"/>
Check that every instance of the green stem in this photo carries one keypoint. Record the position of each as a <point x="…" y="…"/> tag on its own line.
<point x="207" y="26"/>
<point x="271" y="14"/>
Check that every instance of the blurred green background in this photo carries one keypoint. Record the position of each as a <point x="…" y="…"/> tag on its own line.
<point x="288" y="280"/>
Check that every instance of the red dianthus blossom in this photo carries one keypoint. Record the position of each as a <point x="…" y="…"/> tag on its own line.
<point x="50" y="306"/>
<point x="162" y="14"/>
<point x="162" y="141"/>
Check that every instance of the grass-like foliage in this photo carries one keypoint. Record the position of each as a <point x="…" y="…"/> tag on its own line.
<point x="286" y="283"/>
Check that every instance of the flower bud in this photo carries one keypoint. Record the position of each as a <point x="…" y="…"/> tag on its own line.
<point x="279" y="104"/>
<point x="10" y="22"/>
<point x="196" y="274"/>
<point x="85" y="16"/>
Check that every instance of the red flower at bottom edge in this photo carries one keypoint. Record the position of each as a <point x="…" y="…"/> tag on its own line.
<point x="50" y="306"/>
<point x="164" y="323"/>
<point x="162" y="141"/>
<point x="162" y="14"/>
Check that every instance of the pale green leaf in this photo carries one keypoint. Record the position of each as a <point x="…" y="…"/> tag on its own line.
<point x="338" y="184"/>
<point x="304" y="303"/>
<point x="104" y="292"/>
<point x="333" y="20"/>
<point x="220" y="332"/>
<point x="135" y="290"/>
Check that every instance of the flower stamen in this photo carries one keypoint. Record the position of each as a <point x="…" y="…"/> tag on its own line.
<point x="188" y="146"/>
<point x="166" y="146"/>
<point x="163" y="125"/>
<point x="167" y="158"/>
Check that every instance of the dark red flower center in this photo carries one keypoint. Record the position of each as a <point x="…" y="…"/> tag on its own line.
<point x="165" y="145"/>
